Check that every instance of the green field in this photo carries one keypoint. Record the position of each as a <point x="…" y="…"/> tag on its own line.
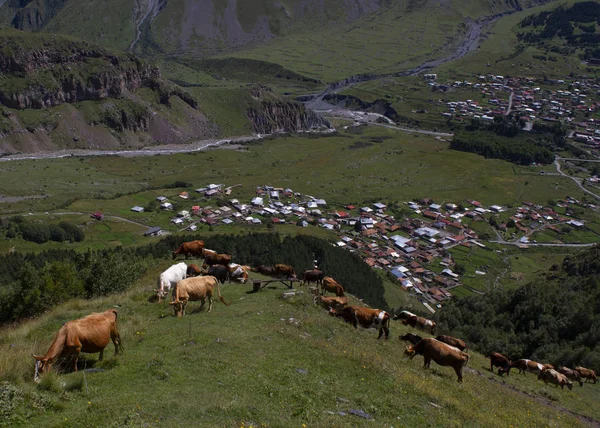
<point x="263" y="361"/>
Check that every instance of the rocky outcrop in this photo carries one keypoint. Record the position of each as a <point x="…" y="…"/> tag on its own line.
<point x="270" y="114"/>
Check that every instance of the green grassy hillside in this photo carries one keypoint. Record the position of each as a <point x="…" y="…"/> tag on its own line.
<point x="263" y="361"/>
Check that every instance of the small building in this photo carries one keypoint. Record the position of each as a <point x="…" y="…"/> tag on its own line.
<point x="153" y="231"/>
<point x="161" y="198"/>
<point x="177" y="221"/>
<point x="380" y="206"/>
<point x="183" y="214"/>
<point x="227" y="221"/>
<point x="184" y="195"/>
<point x="166" y="206"/>
<point x="257" y="201"/>
<point x="137" y="209"/>
<point x="98" y="215"/>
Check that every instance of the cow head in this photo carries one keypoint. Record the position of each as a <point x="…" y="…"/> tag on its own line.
<point x="177" y="308"/>
<point x="410" y="351"/>
<point x="42" y="365"/>
<point x="502" y="370"/>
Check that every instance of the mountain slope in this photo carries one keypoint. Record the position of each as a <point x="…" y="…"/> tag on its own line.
<point x="263" y="361"/>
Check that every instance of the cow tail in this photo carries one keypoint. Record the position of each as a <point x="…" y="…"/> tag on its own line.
<point x="221" y="297"/>
<point x="118" y="342"/>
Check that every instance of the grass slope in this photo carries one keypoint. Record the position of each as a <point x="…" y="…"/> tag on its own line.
<point x="263" y="361"/>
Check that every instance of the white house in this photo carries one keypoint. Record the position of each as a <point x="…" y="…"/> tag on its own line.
<point x="138" y="209"/>
<point x="166" y="206"/>
<point x="257" y="201"/>
<point x="177" y="221"/>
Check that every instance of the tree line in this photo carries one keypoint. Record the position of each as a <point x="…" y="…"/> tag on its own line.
<point x="34" y="283"/>
<point x="554" y="319"/>
<point x="39" y="232"/>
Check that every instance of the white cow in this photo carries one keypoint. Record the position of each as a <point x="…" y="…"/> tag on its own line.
<point x="169" y="278"/>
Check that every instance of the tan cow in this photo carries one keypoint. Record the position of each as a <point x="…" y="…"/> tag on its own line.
<point x="558" y="379"/>
<point x="572" y="375"/>
<point x="366" y="318"/>
<point x="441" y="353"/>
<point x="191" y="248"/>
<point x="194" y="289"/>
<point x="89" y="334"/>
<point x="420" y="322"/>
<point x="331" y="285"/>
<point x="525" y="365"/>
<point x="335" y="303"/>
<point x="587" y="374"/>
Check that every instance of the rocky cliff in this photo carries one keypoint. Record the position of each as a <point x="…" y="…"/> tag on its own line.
<point x="269" y="114"/>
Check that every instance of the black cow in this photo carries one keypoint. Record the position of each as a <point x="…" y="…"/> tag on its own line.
<point x="412" y="338"/>
<point x="504" y="364"/>
<point x="220" y="272"/>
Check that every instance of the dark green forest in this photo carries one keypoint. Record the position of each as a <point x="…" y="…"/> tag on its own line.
<point x="40" y="232"/>
<point x="34" y="283"/>
<point x="554" y="319"/>
<point x="576" y="25"/>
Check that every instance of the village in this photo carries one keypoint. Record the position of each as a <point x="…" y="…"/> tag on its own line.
<point x="410" y="241"/>
<point x="570" y="101"/>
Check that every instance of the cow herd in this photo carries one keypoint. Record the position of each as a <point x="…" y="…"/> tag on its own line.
<point x="187" y="283"/>
<point x="562" y="377"/>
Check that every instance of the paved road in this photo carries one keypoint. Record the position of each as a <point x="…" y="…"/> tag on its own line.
<point x="510" y="101"/>
<point x="575" y="179"/>
<point x="112" y="217"/>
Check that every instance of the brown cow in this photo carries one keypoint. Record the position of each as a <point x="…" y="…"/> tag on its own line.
<point x="314" y="275"/>
<point x="194" y="289"/>
<point x="329" y="284"/>
<point x="525" y="365"/>
<point x="286" y="271"/>
<point x="366" y="318"/>
<point x="335" y="303"/>
<point x="412" y="338"/>
<point x="90" y="334"/>
<point x="587" y="374"/>
<point x="216" y="259"/>
<point x="558" y="379"/>
<point x="264" y="270"/>
<point x="420" y="323"/>
<point x="194" y="270"/>
<point x="572" y="375"/>
<point x="500" y="361"/>
<point x="441" y="353"/>
<point x="192" y="248"/>
<point x="453" y="341"/>
<point x="402" y="315"/>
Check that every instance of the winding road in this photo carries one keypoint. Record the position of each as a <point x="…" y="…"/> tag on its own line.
<point x="577" y="180"/>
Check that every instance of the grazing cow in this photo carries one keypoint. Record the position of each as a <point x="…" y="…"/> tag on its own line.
<point x="525" y="365"/>
<point x="412" y="338"/>
<point x="264" y="270"/>
<point x="588" y="374"/>
<point x="572" y="375"/>
<point x="169" y="278"/>
<point x="335" y="303"/>
<point x="90" y="334"/>
<point x="366" y="318"/>
<point x="453" y="341"/>
<point x="420" y="323"/>
<point x="285" y="271"/>
<point x="500" y="361"/>
<point x="441" y="353"/>
<point x="216" y="259"/>
<point x="220" y="272"/>
<point x="558" y="379"/>
<point x="330" y="284"/>
<point x="314" y="275"/>
<point x="194" y="289"/>
<point x="402" y="315"/>
<point x="194" y="270"/>
<point x="192" y="248"/>
<point x="238" y="273"/>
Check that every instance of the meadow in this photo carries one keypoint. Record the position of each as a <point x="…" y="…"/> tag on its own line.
<point x="263" y="361"/>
